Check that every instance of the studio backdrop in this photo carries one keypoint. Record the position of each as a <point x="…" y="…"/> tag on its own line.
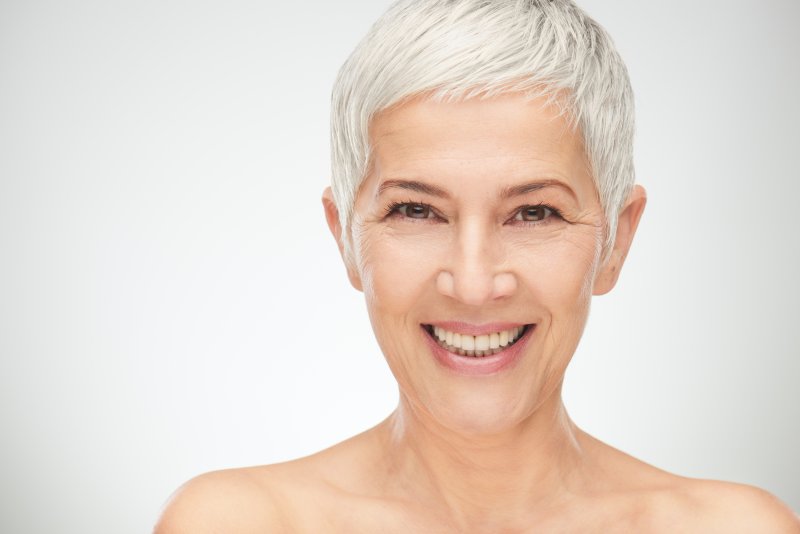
<point x="171" y="301"/>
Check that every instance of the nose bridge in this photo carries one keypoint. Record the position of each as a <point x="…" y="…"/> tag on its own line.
<point x="475" y="262"/>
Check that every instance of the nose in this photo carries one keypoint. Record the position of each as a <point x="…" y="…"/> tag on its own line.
<point x="475" y="272"/>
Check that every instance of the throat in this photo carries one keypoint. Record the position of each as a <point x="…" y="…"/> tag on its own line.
<point x="476" y="478"/>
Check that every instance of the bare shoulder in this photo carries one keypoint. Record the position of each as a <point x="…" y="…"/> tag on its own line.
<point x="656" y="500"/>
<point x="234" y="500"/>
<point x="715" y="506"/>
<point x="268" y="498"/>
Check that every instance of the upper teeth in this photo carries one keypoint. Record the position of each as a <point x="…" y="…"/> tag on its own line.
<point x="477" y="345"/>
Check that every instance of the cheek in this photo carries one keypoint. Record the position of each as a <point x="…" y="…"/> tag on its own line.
<point x="560" y="271"/>
<point x="395" y="275"/>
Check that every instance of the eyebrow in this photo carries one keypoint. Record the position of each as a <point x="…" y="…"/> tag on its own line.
<point x="507" y="192"/>
<point x="413" y="185"/>
<point x="531" y="187"/>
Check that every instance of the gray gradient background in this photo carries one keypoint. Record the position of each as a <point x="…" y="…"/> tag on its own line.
<point x="171" y="301"/>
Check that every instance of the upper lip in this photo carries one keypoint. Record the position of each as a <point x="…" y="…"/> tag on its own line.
<point x="475" y="329"/>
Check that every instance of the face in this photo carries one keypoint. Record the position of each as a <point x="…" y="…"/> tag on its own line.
<point x="478" y="236"/>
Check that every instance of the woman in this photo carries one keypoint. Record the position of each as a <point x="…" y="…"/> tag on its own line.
<point x="482" y="193"/>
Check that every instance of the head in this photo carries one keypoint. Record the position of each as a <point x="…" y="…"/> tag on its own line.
<point x="483" y="184"/>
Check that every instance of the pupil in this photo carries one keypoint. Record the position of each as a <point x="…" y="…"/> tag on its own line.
<point x="533" y="214"/>
<point x="418" y="211"/>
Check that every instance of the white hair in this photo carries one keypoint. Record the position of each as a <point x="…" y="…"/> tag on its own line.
<point x="461" y="49"/>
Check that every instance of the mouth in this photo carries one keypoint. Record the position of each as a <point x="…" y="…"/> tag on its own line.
<point x="476" y="346"/>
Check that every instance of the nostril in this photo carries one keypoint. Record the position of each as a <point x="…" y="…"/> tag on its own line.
<point x="445" y="284"/>
<point x="476" y="289"/>
<point x="505" y="284"/>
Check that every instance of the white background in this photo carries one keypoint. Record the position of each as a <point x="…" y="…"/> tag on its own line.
<point x="171" y="301"/>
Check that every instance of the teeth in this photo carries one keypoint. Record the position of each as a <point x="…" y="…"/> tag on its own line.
<point x="467" y="342"/>
<point x="481" y="345"/>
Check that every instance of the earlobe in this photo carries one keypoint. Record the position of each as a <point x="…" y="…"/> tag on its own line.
<point x="335" y="226"/>
<point x="627" y="224"/>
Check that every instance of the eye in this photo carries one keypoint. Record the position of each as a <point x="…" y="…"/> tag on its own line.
<point x="533" y="213"/>
<point x="414" y="211"/>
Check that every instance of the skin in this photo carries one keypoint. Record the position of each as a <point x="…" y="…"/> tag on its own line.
<point x="489" y="453"/>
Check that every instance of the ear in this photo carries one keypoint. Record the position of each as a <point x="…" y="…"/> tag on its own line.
<point x="607" y="276"/>
<point x="332" y="216"/>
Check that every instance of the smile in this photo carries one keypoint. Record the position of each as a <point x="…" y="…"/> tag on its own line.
<point x="475" y="346"/>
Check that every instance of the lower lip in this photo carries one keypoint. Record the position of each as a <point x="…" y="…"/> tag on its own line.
<point x="479" y="365"/>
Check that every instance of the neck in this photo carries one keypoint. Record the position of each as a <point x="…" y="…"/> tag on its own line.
<point x="532" y="466"/>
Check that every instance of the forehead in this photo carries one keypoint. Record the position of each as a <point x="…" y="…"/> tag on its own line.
<point x="502" y="139"/>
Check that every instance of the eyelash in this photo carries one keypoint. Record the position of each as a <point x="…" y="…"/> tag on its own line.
<point x="395" y="207"/>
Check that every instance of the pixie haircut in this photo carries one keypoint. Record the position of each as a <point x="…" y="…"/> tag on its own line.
<point x="451" y="50"/>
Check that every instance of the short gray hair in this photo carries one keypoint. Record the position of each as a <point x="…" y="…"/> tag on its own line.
<point x="460" y="49"/>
